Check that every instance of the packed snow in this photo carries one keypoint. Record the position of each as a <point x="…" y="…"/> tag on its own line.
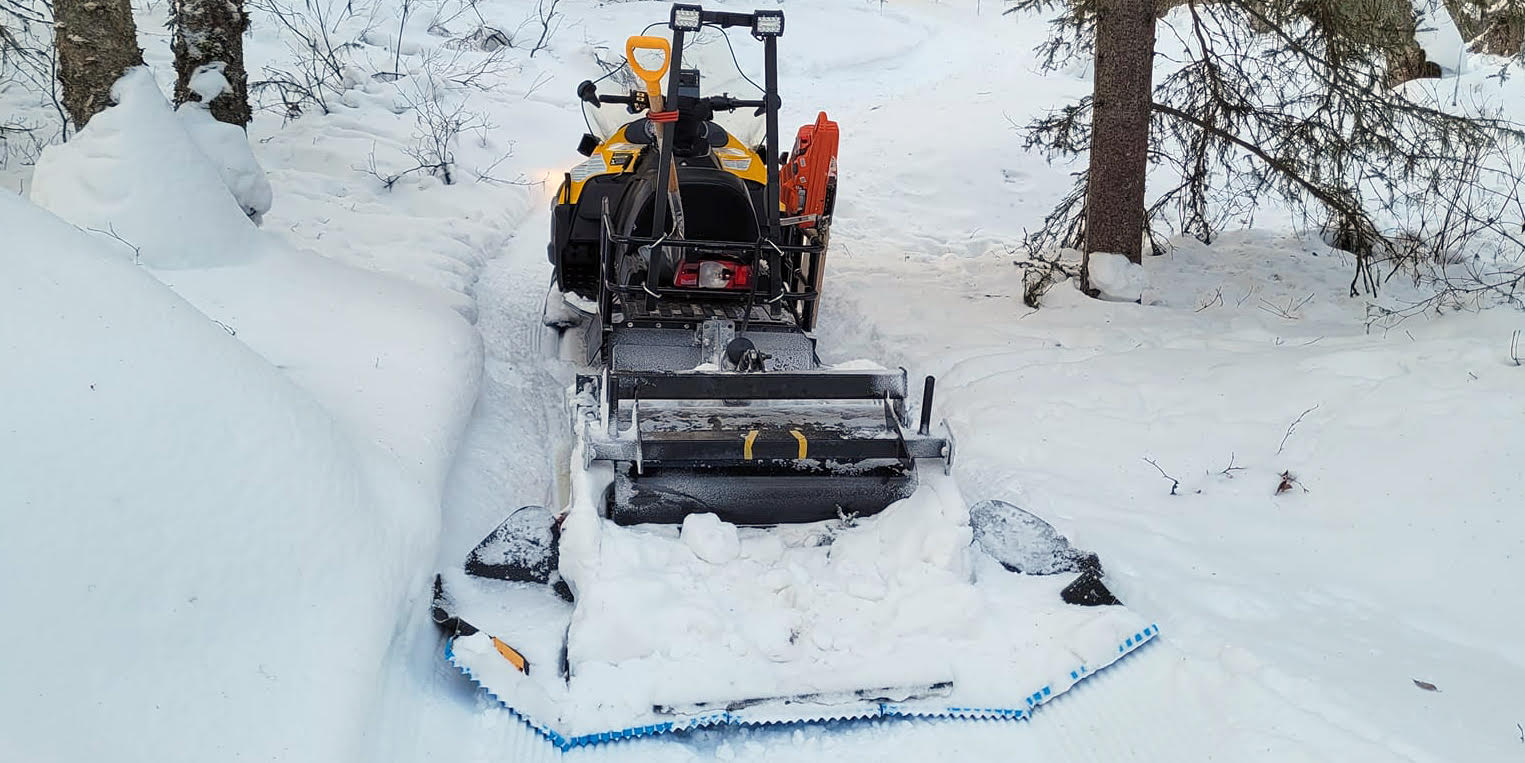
<point x="235" y="454"/>
<point x="1116" y="278"/>
<point x="676" y="626"/>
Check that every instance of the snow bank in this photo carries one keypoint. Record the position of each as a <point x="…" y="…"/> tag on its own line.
<point x="1116" y="278"/>
<point x="200" y="562"/>
<point x="225" y="145"/>
<point x="390" y="360"/>
<point x="114" y="176"/>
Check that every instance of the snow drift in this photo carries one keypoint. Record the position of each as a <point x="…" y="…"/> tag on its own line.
<point x="199" y="560"/>
<point x="215" y="510"/>
<point x="106" y="172"/>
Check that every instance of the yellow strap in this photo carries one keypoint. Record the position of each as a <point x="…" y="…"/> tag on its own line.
<point x="804" y="446"/>
<point x="746" y="444"/>
<point x="511" y="654"/>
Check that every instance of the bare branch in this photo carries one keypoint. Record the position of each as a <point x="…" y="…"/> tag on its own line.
<point x="1293" y="426"/>
<point x="1174" y="483"/>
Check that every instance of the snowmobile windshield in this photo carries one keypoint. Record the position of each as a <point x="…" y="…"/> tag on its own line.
<point x="710" y="52"/>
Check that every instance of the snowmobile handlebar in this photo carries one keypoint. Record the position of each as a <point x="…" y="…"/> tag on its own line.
<point x="638" y="100"/>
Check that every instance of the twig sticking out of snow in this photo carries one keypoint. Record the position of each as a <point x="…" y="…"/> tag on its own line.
<point x="1216" y="299"/>
<point x="548" y="20"/>
<point x="1293" y="426"/>
<point x="1174" y="483"/>
<point x="1228" y="471"/>
<point x="137" y="251"/>
<point x="1289" y="312"/>
<point x="1514" y="347"/>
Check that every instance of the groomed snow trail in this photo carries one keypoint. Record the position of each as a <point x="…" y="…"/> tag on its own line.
<point x="505" y="461"/>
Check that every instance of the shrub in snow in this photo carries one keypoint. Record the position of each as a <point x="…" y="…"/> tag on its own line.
<point x="136" y="172"/>
<point x="1116" y="278"/>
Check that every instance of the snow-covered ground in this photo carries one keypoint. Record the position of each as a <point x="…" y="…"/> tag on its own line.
<point x="218" y="536"/>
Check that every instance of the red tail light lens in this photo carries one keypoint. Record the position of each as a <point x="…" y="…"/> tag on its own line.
<point x="713" y="274"/>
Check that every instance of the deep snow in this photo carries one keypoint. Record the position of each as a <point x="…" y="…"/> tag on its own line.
<point x="217" y="498"/>
<point x="1296" y="622"/>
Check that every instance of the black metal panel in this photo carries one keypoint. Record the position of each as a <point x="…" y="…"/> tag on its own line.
<point x="768" y="385"/>
<point x="767" y="493"/>
<point x="770" y="160"/>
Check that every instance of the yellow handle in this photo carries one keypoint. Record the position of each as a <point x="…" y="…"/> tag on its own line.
<point x="652" y="77"/>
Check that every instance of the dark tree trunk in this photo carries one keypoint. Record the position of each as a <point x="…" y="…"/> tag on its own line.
<point x="97" y="43"/>
<point x="212" y="32"/>
<point x="1114" y="216"/>
<point x="1468" y="16"/>
<point x="1399" y="27"/>
<point x="1504" y="34"/>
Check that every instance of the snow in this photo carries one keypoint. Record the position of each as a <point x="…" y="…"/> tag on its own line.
<point x="1116" y="278"/>
<point x="711" y="539"/>
<point x="1020" y="541"/>
<point x="239" y="475"/>
<point x="302" y="476"/>
<point x="208" y="82"/>
<point x="1441" y="41"/>
<point x="199" y="539"/>
<point x="675" y="627"/>
<point x="225" y="145"/>
<point x="107" y="176"/>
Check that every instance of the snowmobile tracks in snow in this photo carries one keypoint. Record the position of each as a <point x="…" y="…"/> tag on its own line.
<point x="780" y="713"/>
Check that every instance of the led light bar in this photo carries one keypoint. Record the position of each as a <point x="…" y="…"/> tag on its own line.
<point x="686" y="17"/>
<point x="768" y="23"/>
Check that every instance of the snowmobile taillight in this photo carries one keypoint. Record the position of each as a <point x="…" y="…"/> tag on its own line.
<point x="713" y="274"/>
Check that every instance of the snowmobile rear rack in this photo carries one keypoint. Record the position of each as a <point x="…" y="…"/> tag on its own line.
<point x="761" y="250"/>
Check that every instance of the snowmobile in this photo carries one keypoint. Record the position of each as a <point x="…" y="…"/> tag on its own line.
<point x="742" y="523"/>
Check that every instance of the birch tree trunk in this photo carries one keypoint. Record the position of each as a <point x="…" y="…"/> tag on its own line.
<point x="211" y="32"/>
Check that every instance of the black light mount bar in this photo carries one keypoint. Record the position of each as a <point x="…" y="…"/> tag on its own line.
<point x="689" y="18"/>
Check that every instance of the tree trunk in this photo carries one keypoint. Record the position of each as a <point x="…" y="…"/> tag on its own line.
<point x="97" y="43"/>
<point x="1468" y="16"/>
<point x="1504" y="34"/>
<point x="1398" y="28"/>
<point x="211" y="32"/>
<point x="1123" y="89"/>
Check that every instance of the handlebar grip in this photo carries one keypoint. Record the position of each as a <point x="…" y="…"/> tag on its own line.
<point x="726" y="103"/>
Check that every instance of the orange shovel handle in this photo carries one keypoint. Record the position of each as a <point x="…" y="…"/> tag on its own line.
<point x="652" y="77"/>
